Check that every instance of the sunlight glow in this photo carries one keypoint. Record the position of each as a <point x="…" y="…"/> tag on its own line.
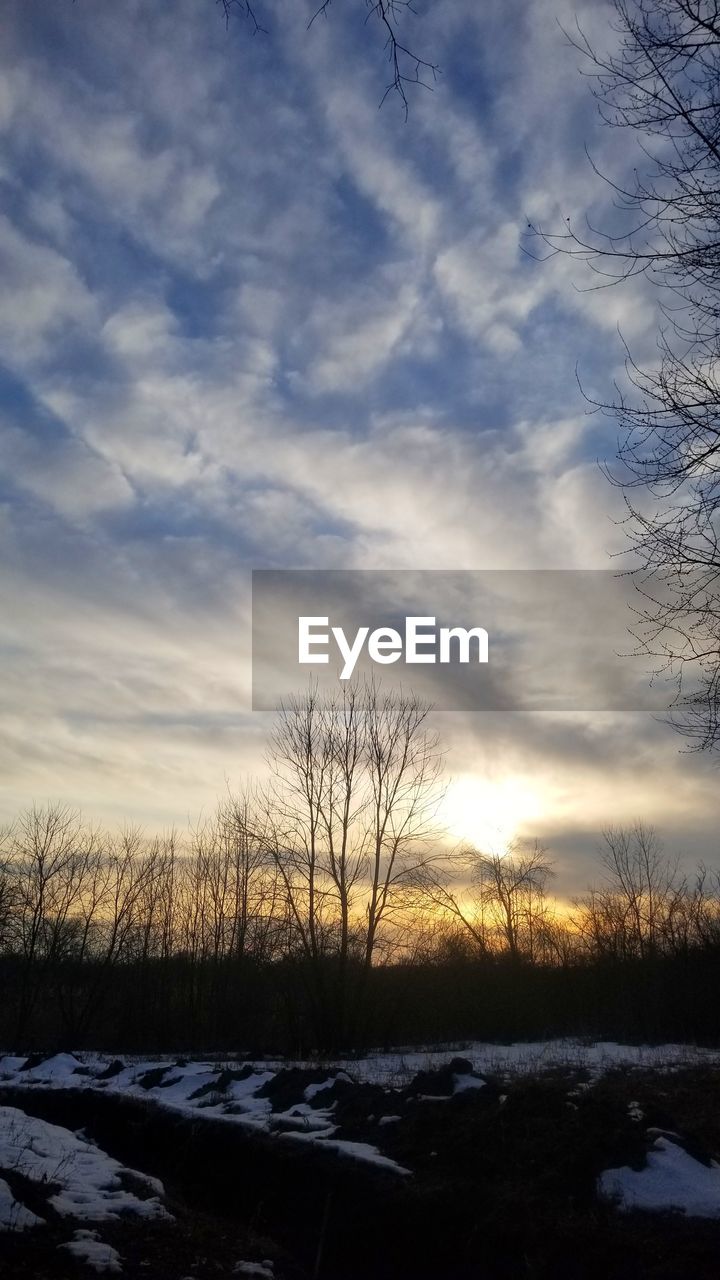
<point x="489" y="813"/>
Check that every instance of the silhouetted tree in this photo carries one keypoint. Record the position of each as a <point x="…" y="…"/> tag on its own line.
<point x="638" y="908"/>
<point x="348" y="821"/>
<point x="505" y="907"/>
<point x="663" y="84"/>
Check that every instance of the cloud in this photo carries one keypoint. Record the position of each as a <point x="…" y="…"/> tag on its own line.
<point x="64" y="475"/>
<point x="44" y="296"/>
<point x="251" y="320"/>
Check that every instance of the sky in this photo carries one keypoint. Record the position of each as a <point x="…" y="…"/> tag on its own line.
<point x="251" y="320"/>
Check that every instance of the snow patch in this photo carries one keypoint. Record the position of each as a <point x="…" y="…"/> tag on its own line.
<point x="87" y="1247"/>
<point x="56" y="1069"/>
<point x="465" y="1082"/>
<point x="356" y="1150"/>
<point x="90" y="1182"/>
<point x="318" y="1087"/>
<point x="671" y="1180"/>
<point x="13" y="1215"/>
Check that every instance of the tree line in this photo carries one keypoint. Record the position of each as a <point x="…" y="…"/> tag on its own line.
<point x="323" y="910"/>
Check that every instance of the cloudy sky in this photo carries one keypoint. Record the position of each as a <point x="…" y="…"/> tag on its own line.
<point x="251" y="321"/>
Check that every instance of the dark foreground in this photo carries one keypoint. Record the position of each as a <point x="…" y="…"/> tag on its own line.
<point x="502" y="1185"/>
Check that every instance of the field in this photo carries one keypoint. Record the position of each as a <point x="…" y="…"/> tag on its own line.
<point x="554" y="1159"/>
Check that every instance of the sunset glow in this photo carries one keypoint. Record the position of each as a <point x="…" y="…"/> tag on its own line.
<point x="489" y="813"/>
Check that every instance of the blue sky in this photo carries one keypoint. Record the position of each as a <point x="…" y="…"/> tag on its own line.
<point x="251" y="320"/>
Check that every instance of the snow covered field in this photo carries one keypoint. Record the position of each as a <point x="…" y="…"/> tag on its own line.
<point x="237" y="1092"/>
<point x="302" y="1102"/>
<point x="87" y="1183"/>
<point x="232" y="1092"/>
<point x="394" y="1068"/>
<point x="530" y="1057"/>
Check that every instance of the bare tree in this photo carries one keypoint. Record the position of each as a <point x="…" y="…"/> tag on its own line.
<point x="225" y="903"/>
<point x="107" y="920"/>
<point x="505" y="908"/>
<point x="403" y="764"/>
<point x="310" y="893"/>
<point x="348" y="821"/>
<point x="663" y="84"/>
<point x="9" y="897"/>
<point x="254" y="888"/>
<point x="636" y="910"/>
<point x="157" y="918"/>
<point x="703" y="925"/>
<point x="407" y="69"/>
<point x="54" y="856"/>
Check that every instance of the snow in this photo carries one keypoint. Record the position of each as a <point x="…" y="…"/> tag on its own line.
<point x="527" y="1057"/>
<point x="244" y="1091"/>
<point x="394" y="1068"/>
<point x="87" y="1247"/>
<point x="465" y="1082"/>
<point x="312" y="1089"/>
<point x="89" y="1182"/>
<point x="263" y="1270"/>
<point x="13" y="1215"/>
<point x="671" y="1180"/>
<point x="364" y="1151"/>
<point x="9" y="1064"/>
<point x="54" y="1070"/>
<point x="176" y="1084"/>
<point x="303" y="1116"/>
<point x="236" y="1102"/>
<point x="357" y="1150"/>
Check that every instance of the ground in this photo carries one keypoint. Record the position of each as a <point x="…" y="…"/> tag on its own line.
<point x="556" y="1160"/>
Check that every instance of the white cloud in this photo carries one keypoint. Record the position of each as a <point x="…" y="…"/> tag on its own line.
<point x="68" y="477"/>
<point x="281" y="326"/>
<point x="358" y="337"/>
<point x="43" y="295"/>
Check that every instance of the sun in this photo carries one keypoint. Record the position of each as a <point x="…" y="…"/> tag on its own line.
<point x="489" y="813"/>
